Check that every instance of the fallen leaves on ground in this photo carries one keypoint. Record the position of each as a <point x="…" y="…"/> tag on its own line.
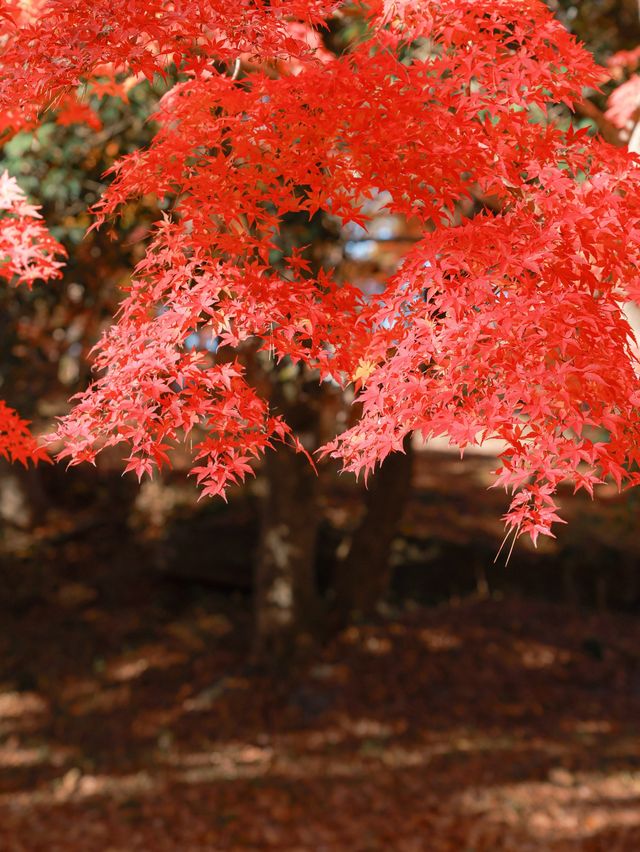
<point x="133" y="722"/>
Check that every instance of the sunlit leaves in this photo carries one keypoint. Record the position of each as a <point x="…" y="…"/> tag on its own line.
<point x="27" y="253"/>
<point x="507" y="325"/>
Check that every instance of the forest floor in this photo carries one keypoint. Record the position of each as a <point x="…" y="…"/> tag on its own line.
<point x="131" y="720"/>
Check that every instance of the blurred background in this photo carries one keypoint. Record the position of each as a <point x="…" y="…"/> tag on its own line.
<point x="426" y="695"/>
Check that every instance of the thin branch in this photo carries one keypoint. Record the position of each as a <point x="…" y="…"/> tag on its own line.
<point x="608" y="130"/>
<point x="634" y="140"/>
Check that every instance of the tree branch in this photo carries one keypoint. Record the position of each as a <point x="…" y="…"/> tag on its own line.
<point x="608" y="130"/>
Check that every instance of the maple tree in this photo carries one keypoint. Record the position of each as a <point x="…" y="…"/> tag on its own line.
<point x="508" y="325"/>
<point x="27" y="253"/>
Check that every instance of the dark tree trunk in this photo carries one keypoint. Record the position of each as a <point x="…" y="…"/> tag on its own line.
<point x="23" y="502"/>
<point x="285" y="582"/>
<point x="364" y="576"/>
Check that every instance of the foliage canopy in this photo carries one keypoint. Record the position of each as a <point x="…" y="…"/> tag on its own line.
<point x="507" y="325"/>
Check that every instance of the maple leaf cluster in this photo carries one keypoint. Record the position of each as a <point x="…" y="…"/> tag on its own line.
<point x="27" y="253"/>
<point x="509" y="325"/>
<point x="17" y="444"/>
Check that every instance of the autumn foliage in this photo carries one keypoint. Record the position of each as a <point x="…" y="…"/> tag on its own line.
<point x="27" y="253"/>
<point x="506" y="325"/>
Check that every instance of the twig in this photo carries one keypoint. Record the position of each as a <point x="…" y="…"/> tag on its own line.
<point x="609" y="131"/>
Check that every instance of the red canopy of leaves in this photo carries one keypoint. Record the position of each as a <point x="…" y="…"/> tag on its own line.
<point x="27" y="253"/>
<point x="509" y="325"/>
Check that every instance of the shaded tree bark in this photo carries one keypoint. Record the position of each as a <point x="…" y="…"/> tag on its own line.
<point x="364" y="576"/>
<point x="23" y="502"/>
<point x="286" y="599"/>
<point x="285" y="582"/>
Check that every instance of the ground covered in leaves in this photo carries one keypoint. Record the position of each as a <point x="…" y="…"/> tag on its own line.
<point x="487" y="725"/>
<point x="130" y="718"/>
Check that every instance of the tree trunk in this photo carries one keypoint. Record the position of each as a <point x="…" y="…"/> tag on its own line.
<point x="285" y="582"/>
<point x="364" y="576"/>
<point x="23" y="503"/>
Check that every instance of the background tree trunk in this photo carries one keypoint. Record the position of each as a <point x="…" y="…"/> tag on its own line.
<point x="285" y="582"/>
<point x="364" y="576"/>
<point x="23" y="502"/>
<point x="286" y="601"/>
